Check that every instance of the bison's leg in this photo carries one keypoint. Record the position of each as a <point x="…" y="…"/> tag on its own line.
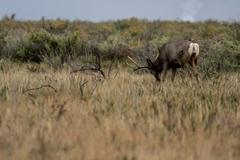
<point x="195" y="72"/>
<point x="156" y="75"/>
<point x="196" y="61"/>
<point x="194" y="67"/>
<point x="187" y="70"/>
<point x="174" y="73"/>
<point x="165" y="69"/>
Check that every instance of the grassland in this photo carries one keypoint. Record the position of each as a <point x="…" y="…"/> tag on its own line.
<point x="129" y="117"/>
<point x="47" y="113"/>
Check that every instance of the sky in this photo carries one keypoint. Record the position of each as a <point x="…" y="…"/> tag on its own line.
<point x="104" y="10"/>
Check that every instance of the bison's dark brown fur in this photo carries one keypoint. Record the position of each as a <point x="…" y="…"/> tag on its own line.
<point x="173" y="55"/>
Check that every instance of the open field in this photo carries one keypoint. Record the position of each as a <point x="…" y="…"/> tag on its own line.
<point x="128" y="117"/>
<point x="47" y="113"/>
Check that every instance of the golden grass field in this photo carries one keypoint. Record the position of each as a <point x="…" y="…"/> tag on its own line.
<point x="129" y="117"/>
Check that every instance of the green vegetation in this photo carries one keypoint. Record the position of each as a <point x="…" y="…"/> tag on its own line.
<point x="33" y="40"/>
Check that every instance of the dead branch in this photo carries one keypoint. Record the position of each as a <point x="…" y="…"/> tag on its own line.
<point x="83" y="83"/>
<point x="42" y="86"/>
<point x="81" y="87"/>
<point x="96" y="65"/>
<point x="88" y="69"/>
<point x="92" y="66"/>
<point x="110" y="67"/>
<point x="140" y="68"/>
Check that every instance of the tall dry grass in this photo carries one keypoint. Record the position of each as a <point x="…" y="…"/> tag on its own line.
<point x="129" y="117"/>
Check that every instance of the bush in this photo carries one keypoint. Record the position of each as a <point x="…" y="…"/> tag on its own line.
<point x="221" y="56"/>
<point x="35" y="45"/>
<point x="37" y="40"/>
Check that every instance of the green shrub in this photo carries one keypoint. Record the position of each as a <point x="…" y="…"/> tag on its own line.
<point x="37" y="40"/>
<point x="35" y="45"/>
<point x="221" y="56"/>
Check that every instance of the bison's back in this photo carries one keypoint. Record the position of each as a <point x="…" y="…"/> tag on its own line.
<point x="170" y="50"/>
